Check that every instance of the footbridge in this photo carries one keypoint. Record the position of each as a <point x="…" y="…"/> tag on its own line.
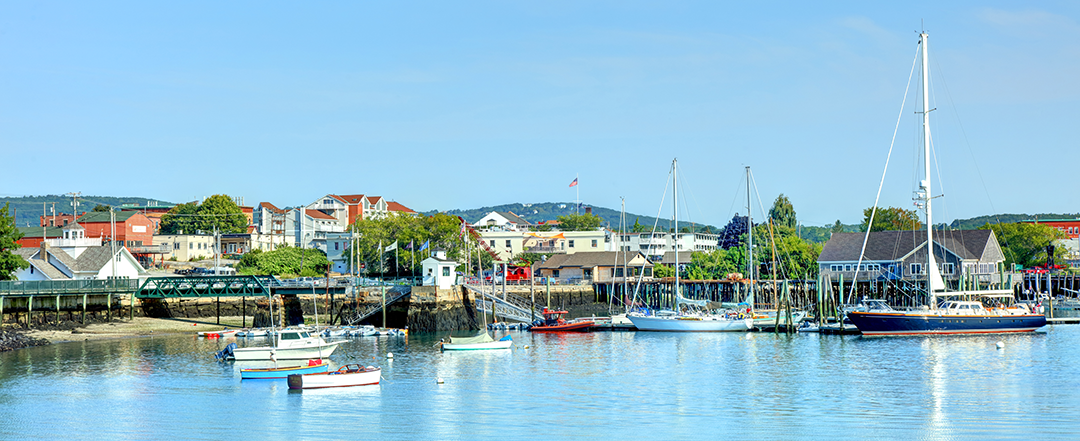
<point x="505" y="306"/>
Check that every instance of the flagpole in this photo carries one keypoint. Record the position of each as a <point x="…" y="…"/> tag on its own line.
<point x="577" y="194"/>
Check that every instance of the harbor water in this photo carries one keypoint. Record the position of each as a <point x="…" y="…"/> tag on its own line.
<point x="603" y="385"/>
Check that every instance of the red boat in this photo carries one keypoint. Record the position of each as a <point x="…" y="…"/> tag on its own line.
<point x="553" y="322"/>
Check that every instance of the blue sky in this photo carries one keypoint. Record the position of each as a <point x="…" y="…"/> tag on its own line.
<point x="442" y="105"/>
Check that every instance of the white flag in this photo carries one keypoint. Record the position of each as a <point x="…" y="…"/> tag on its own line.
<point x="392" y="247"/>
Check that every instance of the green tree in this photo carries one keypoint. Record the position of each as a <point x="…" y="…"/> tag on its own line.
<point x="663" y="271"/>
<point x="638" y="228"/>
<point x="1025" y="243"/>
<point x="221" y="211"/>
<point x="218" y="210"/>
<point x="891" y="218"/>
<point x="285" y="261"/>
<point x="101" y="208"/>
<point x="180" y="219"/>
<point x="9" y="235"/>
<point x="782" y="212"/>
<point x="837" y="227"/>
<point x="717" y="264"/>
<point x="579" y="222"/>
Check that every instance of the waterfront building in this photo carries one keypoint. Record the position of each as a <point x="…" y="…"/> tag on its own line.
<point x="186" y="247"/>
<point x="656" y="245"/>
<point x="76" y="256"/>
<point x="153" y="210"/>
<point x="506" y="220"/>
<point x="347" y="209"/>
<point x="439" y="271"/>
<point x="595" y="267"/>
<point x="34" y="236"/>
<point x="962" y="255"/>
<point x="507" y="243"/>
<point x="1071" y="227"/>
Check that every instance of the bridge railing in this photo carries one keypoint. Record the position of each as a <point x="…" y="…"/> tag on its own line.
<point x="41" y="287"/>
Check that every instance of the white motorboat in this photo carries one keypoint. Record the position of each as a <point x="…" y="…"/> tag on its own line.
<point x="290" y="344"/>
<point x="346" y="376"/>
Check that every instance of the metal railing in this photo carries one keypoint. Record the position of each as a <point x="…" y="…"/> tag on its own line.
<point x="40" y="287"/>
<point x="393" y="295"/>
<point x="512" y="307"/>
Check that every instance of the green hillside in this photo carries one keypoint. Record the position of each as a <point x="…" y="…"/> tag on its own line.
<point x="976" y="222"/>
<point x="28" y="209"/>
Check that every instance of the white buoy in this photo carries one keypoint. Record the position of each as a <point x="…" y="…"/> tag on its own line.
<point x="1000" y="344"/>
<point x="389" y="355"/>
<point x="526" y="346"/>
<point x="438" y="380"/>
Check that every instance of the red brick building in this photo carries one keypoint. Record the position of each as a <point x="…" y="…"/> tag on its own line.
<point x="58" y="220"/>
<point x="133" y="229"/>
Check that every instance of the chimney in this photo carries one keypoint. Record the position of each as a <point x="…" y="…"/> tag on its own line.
<point x="588" y="210"/>
<point x="44" y="250"/>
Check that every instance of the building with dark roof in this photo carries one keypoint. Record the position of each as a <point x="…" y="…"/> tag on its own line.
<point x="595" y="267"/>
<point x="901" y="255"/>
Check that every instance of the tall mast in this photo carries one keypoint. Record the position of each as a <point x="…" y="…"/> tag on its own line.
<point x="749" y="230"/>
<point x="675" y="242"/>
<point x="925" y="185"/>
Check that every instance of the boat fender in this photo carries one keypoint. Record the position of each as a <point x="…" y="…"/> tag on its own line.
<point x="225" y="353"/>
<point x="742" y="316"/>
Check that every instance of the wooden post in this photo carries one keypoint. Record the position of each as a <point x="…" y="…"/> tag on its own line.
<point x="1" y="311"/>
<point x="58" y="309"/>
<point x="108" y="307"/>
<point x="217" y="302"/>
<point x="29" y="310"/>
<point x="83" y="318"/>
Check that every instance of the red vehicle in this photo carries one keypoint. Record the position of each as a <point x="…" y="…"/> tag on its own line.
<point x="514" y="274"/>
<point x="553" y="322"/>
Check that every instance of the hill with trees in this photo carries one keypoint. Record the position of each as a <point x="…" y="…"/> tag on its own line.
<point x="28" y="209"/>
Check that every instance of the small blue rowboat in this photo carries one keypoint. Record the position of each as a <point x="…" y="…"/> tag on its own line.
<point x="313" y="367"/>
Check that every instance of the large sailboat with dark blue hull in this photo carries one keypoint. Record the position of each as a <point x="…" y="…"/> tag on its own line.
<point x="964" y="312"/>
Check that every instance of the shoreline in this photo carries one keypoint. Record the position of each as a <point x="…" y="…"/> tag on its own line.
<point x="137" y="327"/>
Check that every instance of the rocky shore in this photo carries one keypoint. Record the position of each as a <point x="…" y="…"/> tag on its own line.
<point x="11" y="340"/>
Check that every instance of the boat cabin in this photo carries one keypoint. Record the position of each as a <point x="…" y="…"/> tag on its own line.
<point x="958" y="307"/>
<point x="553" y="317"/>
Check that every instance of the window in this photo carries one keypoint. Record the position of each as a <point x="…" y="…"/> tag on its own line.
<point x="493" y="243"/>
<point x="594" y="243"/>
<point x="337" y="246"/>
<point x="946" y="268"/>
<point x="191" y="245"/>
<point x="618" y="272"/>
<point x="571" y="243"/>
<point x="554" y="273"/>
<point x="916" y="269"/>
<point x="847" y="267"/>
<point x="508" y="243"/>
<point x="446" y="271"/>
<point x="587" y="273"/>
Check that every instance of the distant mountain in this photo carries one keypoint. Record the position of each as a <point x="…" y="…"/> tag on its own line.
<point x="546" y="211"/>
<point x="976" y="222"/>
<point x="28" y="209"/>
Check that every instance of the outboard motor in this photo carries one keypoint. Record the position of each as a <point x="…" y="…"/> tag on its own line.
<point x="226" y="353"/>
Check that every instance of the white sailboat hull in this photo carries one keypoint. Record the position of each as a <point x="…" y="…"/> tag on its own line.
<point x="499" y="344"/>
<point x="690" y="323"/>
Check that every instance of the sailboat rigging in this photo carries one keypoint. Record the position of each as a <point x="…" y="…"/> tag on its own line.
<point x="687" y="315"/>
<point x="951" y="316"/>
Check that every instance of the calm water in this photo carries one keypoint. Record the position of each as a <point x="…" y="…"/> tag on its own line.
<point x="591" y="386"/>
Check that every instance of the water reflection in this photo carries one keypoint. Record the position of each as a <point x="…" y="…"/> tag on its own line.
<point x="598" y="385"/>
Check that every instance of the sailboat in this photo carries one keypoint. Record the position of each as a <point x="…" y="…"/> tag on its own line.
<point x="694" y="316"/>
<point x="952" y="316"/>
<point x="482" y="340"/>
